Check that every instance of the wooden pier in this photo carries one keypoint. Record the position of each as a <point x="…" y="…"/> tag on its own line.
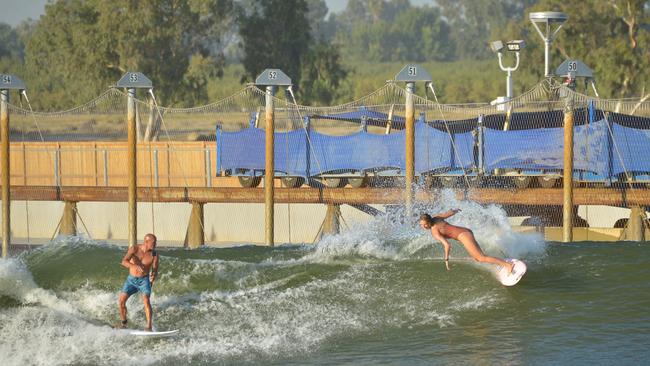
<point x="354" y="196"/>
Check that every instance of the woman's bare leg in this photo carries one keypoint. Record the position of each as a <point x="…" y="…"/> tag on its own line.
<point x="470" y="244"/>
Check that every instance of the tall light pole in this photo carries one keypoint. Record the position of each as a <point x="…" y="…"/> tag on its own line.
<point x="513" y="46"/>
<point x="547" y="19"/>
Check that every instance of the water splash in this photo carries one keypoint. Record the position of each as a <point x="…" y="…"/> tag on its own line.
<point x="16" y="282"/>
<point x="394" y="237"/>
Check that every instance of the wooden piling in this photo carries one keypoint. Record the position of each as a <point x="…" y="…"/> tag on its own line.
<point x="195" y="236"/>
<point x="331" y="224"/>
<point x="567" y="192"/>
<point x="69" y="220"/>
<point x="269" y="175"/>
<point x="635" y="230"/>
<point x="4" y="162"/>
<point x="410" y="148"/>
<point x="132" y="168"/>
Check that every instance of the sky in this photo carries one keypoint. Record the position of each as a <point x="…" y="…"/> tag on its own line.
<point x="13" y="12"/>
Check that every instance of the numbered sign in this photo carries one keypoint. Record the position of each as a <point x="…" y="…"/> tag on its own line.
<point x="134" y="80"/>
<point x="573" y="66"/>
<point x="8" y="81"/>
<point x="273" y="77"/>
<point x="413" y="73"/>
<point x="576" y="68"/>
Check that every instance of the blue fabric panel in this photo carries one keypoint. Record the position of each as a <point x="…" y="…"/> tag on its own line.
<point x="523" y="149"/>
<point x="432" y="148"/>
<point x="359" y="151"/>
<point x="464" y="151"/>
<point x="243" y="149"/>
<point x="590" y="148"/>
<point x="290" y="152"/>
<point x="246" y="150"/>
<point x="543" y="148"/>
<point x="633" y="147"/>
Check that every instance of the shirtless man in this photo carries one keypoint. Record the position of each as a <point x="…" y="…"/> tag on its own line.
<point x="142" y="262"/>
<point x="441" y="230"/>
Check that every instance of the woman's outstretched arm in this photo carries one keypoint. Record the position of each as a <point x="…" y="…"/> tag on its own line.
<point x="448" y="214"/>
<point x="445" y="244"/>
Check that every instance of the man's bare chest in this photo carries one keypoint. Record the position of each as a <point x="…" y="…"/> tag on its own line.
<point x="146" y="258"/>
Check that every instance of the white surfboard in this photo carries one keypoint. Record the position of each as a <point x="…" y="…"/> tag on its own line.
<point x="153" y="334"/>
<point x="511" y="279"/>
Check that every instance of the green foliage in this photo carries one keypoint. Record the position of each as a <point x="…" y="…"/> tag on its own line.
<point x="10" y="44"/>
<point x="386" y="31"/>
<point x="475" y="22"/>
<point x="81" y="47"/>
<point x="611" y="37"/>
<point x="321" y="75"/>
<point x="286" y="43"/>
<point x="275" y="34"/>
<point x="11" y="50"/>
<point x="454" y="82"/>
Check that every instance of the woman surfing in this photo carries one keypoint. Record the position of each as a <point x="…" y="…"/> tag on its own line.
<point x="441" y="230"/>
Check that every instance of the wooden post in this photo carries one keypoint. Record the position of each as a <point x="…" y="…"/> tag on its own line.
<point x="410" y="74"/>
<point x="331" y="224"/>
<point x="130" y="81"/>
<point x="270" y="78"/>
<point x="195" y="236"/>
<point x="410" y="148"/>
<point x="269" y="175"/>
<point x="69" y="220"/>
<point x="4" y="161"/>
<point x="567" y="217"/>
<point x="132" y="168"/>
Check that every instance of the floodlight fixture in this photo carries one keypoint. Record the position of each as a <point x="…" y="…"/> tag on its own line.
<point x="516" y="45"/>
<point x="547" y="19"/>
<point x="513" y="46"/>
<point x="496" y="46"/>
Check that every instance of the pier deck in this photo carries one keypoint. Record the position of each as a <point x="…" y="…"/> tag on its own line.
<point x="355" y="196"/>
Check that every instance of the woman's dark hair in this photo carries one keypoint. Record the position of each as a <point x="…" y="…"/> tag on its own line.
<point x="431" y="220"/>
<point x="426" y="217"/>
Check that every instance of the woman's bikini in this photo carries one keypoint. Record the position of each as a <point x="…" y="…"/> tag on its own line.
<point x="450" y="231"/>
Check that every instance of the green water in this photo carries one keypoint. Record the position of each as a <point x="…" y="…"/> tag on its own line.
<point x="351" y="299"/>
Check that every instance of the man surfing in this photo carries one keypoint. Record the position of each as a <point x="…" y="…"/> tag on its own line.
<point x="142" y="262"/>
<point x="441" y="230"/>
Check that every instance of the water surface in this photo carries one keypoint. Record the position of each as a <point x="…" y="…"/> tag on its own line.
<point x="377" y="294"/>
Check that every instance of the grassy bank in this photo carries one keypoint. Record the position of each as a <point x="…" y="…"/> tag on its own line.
<point x="455" y="82"/>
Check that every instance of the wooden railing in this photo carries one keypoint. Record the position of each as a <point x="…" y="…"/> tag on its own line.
<point x="103" y="164"/>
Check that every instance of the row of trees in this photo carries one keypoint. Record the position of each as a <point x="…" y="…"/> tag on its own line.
<point x="79" y="47"/>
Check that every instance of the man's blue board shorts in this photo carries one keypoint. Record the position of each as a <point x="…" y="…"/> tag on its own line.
<point x="135" y="284"/>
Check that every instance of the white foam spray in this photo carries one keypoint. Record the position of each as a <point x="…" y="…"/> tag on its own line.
<point x="17" y="282"/>
<point x="392" y="237"/>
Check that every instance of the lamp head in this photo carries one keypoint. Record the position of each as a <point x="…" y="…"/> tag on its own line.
<point x="496" y="46"/>
<point x="516" y="45"/>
